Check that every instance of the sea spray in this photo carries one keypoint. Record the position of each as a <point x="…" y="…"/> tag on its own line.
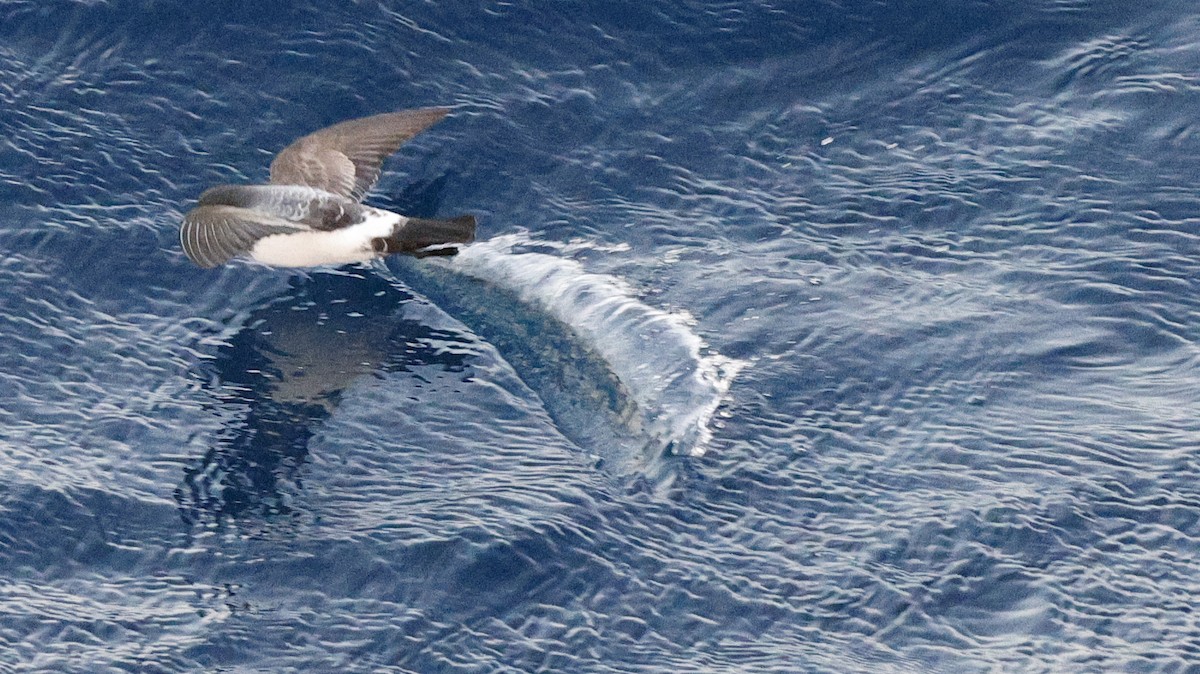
<point x="655" y="355"/>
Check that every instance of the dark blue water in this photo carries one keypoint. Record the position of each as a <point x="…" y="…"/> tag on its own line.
<point x="800" y="337"/>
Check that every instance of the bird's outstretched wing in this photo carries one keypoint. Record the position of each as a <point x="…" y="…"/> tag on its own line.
<point x="345" y="158"/>
<point x="213" y="235"/>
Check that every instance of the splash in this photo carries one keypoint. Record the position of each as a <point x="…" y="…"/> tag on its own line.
<point x="676" y="383"/>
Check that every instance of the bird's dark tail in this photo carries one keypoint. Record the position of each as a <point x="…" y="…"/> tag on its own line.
<point x="416" y="236"/>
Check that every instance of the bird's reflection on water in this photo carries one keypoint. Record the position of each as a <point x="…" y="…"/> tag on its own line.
<point x="285" y="372"/>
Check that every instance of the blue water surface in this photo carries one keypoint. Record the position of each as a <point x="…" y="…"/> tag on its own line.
<point x="813" y="336"/>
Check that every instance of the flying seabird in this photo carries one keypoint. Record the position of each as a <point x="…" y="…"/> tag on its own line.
<point x="311" y="212"/>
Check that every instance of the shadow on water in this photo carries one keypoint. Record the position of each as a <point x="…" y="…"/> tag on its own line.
<point x="284" y="374"/>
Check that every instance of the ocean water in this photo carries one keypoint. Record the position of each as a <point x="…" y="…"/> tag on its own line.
<point x="814" y="336"/>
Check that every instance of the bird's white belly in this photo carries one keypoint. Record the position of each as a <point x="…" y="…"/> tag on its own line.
<point x="316" y="248"/>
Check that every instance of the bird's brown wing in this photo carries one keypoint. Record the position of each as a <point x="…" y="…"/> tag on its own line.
<point x="345" y="158"/>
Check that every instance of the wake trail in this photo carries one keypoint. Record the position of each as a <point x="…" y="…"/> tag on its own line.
<point x="676" y="382"/>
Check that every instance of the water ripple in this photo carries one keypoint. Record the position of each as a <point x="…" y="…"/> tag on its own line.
<point x="956" y="245"/>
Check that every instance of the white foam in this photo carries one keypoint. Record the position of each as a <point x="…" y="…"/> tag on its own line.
<point x="663" y="364"/>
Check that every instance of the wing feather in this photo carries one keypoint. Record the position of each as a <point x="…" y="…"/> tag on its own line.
<point x="213" y="235"/>
<point x="345" y="158"/>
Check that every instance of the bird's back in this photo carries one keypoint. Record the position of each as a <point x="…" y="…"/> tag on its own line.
<point x="295" y="203"/>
